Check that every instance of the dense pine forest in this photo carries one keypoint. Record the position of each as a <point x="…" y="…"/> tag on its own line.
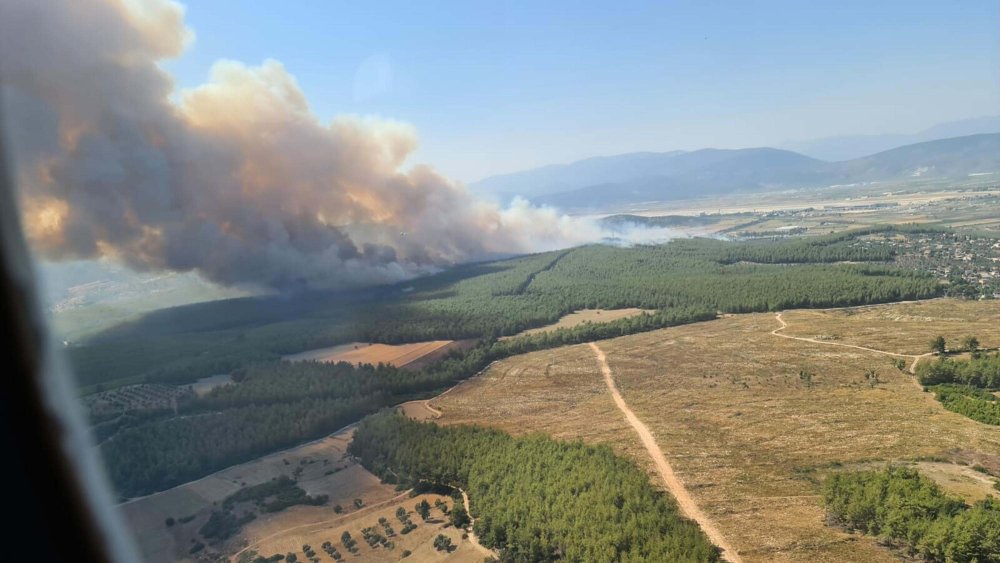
<point x="909" y="511"/>
<point x="502" y="298"/>
<point x="277" y="404"/>
<point x="534" y="498"/>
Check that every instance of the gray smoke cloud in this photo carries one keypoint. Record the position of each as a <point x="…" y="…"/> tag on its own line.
<point x="235" y="179"/>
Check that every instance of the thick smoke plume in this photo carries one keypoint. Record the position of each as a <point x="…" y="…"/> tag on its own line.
<point x="235" y="179"/>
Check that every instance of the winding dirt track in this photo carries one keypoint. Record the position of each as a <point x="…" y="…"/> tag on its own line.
<point x="913" y="365"/>
<point x="472" y="535"/>
<point x="674" y="485"/>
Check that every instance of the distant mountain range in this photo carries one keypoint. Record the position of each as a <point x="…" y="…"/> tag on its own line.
<point x="638" y="177"/>
<point x="848" y="147"/>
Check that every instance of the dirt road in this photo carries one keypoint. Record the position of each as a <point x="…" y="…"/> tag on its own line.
<point x="472" y="535"/>
<point x="912" y="368"/>
<point x="673" y="483"/>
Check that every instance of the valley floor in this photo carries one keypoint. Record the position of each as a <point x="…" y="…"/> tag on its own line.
<point x="715" y="411"/>
<point x="744" y="434"/>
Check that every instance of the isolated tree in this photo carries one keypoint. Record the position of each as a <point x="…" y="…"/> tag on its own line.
<point x="900" y="364"/>
<point x="423" y="508"/>
<point x="871" y="376"/>
<point x="970" y="343"/>
<point x="938" y="345"/>
<point x="442" y="543"/>
<point x="459" y="517"/>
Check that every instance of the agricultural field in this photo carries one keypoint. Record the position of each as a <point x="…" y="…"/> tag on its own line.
<point x="289" y="532"/>
<point x="141" y="397"/>
<point x="345" y="481"/>
<point x="749" y="436"/>
<point x="837" y="208"/>
<point x="577" y="318"/>
<point x="321" y="468"/>
<point x="358" y="353"/>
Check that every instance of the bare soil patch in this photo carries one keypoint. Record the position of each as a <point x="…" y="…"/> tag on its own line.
<point x="584" y="316"/>
<point x="358" y="353"/>
<point x="204" y="385"/>
<point x="750" y="439"/>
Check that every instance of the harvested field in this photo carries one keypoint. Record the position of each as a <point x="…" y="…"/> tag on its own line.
<point x="440" y="353"/>
<point x="584" y="316"/>
<point x="358" y="353"/>
<point x="750" y="439"/>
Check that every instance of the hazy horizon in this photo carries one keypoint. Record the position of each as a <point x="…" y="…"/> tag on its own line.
<point x="514" y="86"/>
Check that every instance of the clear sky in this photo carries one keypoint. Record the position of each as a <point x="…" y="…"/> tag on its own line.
<point x="499" y="86"/>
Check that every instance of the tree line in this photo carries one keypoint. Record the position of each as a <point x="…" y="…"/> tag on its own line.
<point x="535" y="498"/>
<point x="963" y="386"/>
<point x="502" y="298"/>
<point x="277" y="405"/>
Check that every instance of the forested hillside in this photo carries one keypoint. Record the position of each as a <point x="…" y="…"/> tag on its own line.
<point x="276" y="404"/>
<point x="279" y="404"/>
<point x="502" y="298"/>
<point x="536" y="499"/>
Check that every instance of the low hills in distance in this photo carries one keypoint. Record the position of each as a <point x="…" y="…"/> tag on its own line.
<point x="640" y="177"/>
<point x="847" y="147"/>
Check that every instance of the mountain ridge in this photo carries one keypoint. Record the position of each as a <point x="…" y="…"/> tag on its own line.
<point x="689" y="174"/>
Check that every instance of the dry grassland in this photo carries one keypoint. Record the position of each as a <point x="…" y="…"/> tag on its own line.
<point x="584" y="316"/>
<point x="325" y="470"/>
<point x="750" y="440"/>
<point x="315" y="525"/>
<point x="960" y="480"/>
<point x="905" y="328"/>
<point x="358" y="353"/>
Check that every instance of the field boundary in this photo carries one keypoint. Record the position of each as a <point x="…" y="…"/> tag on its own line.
<point x="674" y="485"/>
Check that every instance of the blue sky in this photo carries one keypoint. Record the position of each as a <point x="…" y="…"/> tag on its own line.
<point x="494" y="87"/>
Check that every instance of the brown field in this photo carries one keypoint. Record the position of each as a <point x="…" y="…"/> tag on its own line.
<point x="348" y="481"/>
<point x="315" y="525"/>
<point x="358" y="353"/>
<point x="326" y="470"/>
<point x="905" y="327"/>
<point x="751" y="441"/>
<point x="584" y="316"/>
<point x="960" y="480"/>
